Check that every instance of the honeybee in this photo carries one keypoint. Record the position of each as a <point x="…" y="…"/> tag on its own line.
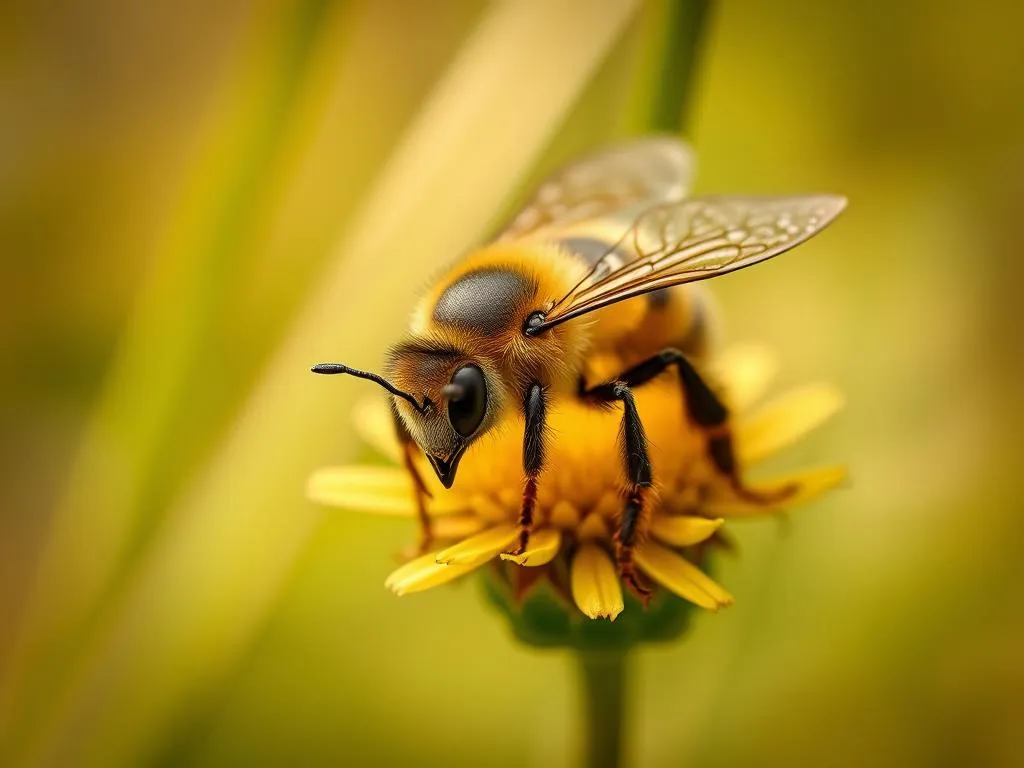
<point x="593" y="267"/>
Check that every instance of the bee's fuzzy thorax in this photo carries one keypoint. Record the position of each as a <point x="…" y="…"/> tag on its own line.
<point x="481" y="305"/>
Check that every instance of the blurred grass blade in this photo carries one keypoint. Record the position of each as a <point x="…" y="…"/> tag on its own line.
<point x="123" y="457"/>
<point x="673" y="33"/>
<point x="219" y="564"/>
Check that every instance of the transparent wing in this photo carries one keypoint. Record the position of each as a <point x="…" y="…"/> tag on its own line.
<point x="695" y="239"/>
<point x="622" y="180"/>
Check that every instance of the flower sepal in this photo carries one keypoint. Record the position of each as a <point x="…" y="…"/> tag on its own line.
<point x="544" y="616"/>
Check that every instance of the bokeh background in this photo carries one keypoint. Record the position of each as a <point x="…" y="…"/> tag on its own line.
<point x="197" y="200"/>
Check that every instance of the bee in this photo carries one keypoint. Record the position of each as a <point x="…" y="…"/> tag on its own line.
<point x="594" y="267"/>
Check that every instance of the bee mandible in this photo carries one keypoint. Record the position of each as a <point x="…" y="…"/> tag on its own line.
<point x="594" y="267"/>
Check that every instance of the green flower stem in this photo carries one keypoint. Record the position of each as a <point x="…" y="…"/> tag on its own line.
<point x="602" y="688"/>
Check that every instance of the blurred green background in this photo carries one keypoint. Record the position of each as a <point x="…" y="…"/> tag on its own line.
<point x="197" y="200"/>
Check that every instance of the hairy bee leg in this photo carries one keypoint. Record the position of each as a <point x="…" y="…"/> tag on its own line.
<point x="422" y="494"/>
<point x="420" y="490"/>
<point x="535" y="411"/>
<point x="625" y="542"/>
<point x="708" y="414"/>
<point x="637" y="461"/>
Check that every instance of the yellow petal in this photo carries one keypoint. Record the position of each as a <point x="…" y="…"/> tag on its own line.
<point x="423" y="573"/>
<point x="381" y="490"/>
<point x="745" y="371"/>
<point x="456" y="526"/>
<point x="681" y="576"/>
<point x="385" y="490"/>
<point x="374" y="424"/>
<point x="541" y="550"/>
<point x="593" y="526"/>
<point x="809" y="485"/>
<point x="785" y="420"/>
<point x="684" y="530"/>
<point x="595" y="584"/>
<point x="406" y="570"/>
<point x="481" y="547"/>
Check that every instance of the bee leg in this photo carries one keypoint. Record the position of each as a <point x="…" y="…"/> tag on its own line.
<point x="534" y="409"/>
<point x="625" y="542"/>
<point x="708" y="414"/>
<point x="638" y="472"/>
<point x="420" y="490"/>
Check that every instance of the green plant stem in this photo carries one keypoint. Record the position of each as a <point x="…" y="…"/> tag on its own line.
<point x="673" y="34"/>
<point x="602" y="687"/>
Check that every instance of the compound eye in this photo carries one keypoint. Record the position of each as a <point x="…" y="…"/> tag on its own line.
<point x="467" y="400"/>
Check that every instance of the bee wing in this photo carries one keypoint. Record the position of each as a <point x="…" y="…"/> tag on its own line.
<point x="688" y="240"/>
<point x="622" y="180"/>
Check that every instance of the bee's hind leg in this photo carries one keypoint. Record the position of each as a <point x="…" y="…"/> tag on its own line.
<point x="535" y="412"/>
<point x="638" y="472"/>
<point x="707" y="412"/>
<point x="420" y="489"/>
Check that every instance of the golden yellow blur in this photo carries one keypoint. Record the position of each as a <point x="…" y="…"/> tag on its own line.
<point x="197" y="201"/>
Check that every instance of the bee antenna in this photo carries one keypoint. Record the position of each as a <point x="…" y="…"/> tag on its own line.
<point x="335" y="368"/>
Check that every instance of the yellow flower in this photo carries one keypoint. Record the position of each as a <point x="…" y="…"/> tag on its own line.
<point x="580" y="490"/>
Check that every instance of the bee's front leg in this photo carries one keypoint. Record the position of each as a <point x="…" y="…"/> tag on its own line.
<point x="409" y="449"/>
<point x="534" y="410"/>
<point x="637" y="461"/>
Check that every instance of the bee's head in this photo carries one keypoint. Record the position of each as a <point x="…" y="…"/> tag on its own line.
<point x="445" y="399"/>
